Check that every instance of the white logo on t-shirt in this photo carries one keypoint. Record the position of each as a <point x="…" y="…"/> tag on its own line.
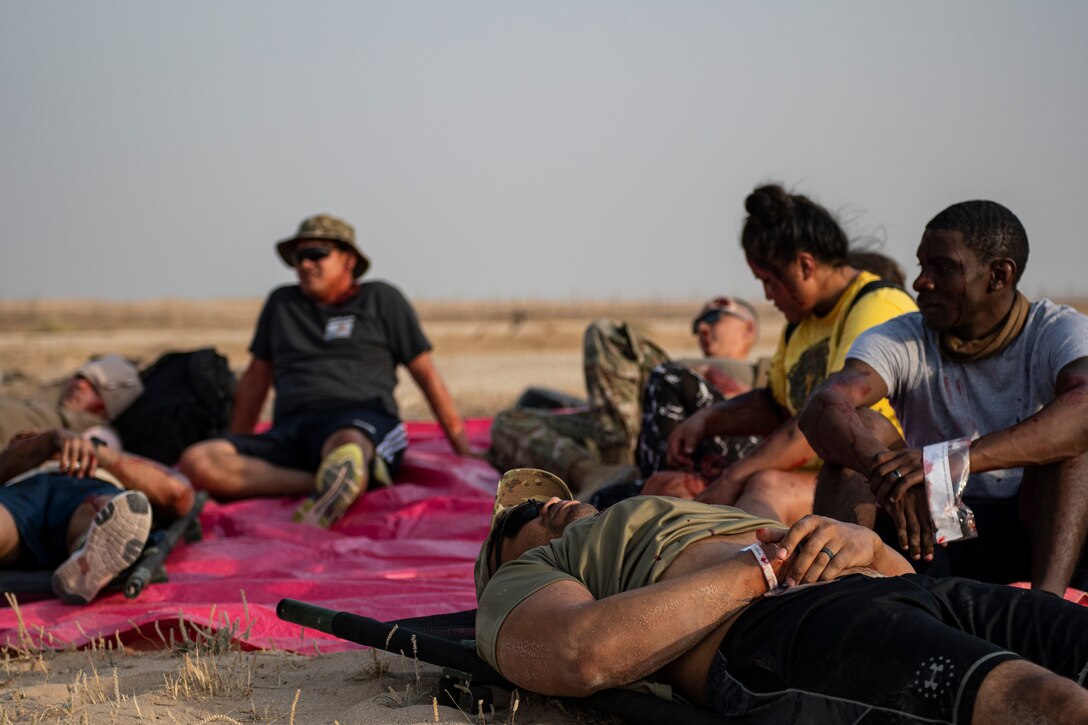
<point x="339" y="328"/>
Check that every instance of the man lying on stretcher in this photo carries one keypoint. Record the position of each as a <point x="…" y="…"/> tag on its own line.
<point x="81" y="506"/>
<point x="750" y="620"/>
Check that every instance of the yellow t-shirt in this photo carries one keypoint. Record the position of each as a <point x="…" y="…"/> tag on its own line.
<point x="627" y="546"/>
<point x="817" y="346"/>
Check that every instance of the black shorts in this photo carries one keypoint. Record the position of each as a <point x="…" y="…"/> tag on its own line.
<point x="909" y="649"/>
<point x="296" y="440"/>
<point x="41" y="507"/>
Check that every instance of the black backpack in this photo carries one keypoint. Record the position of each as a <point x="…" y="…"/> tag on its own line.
<point x="187" y="398"/>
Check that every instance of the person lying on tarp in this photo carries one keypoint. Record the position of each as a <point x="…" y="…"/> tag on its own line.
<point x="96" y="393"/>
<point x="734" y="613"/>
<point x="81" y="506"/>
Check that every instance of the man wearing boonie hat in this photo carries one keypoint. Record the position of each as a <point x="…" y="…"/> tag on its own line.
<point x="595" y="447"/>
<point x="330" y="346"/>
<point x="98" y="391"/>
<point x="756" y="623"/>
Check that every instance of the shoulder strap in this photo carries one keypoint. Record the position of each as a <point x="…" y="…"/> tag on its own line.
<point x="873" y="287"/>
<point x="866" y="289"/>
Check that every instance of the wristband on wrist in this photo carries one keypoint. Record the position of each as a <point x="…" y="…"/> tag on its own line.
<point x="764" y="565"/>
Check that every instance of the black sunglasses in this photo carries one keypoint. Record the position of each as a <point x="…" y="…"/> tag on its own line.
<point x="312" y="254"/>
<point x="711" y="318"/>
<point x="511" y="524"/>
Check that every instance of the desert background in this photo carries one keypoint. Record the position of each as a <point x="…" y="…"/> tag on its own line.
<point x="487" y="352"/>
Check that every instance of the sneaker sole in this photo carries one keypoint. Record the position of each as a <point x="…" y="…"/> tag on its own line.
<point x="341" y="490"/>
<point x="114" y="541"/>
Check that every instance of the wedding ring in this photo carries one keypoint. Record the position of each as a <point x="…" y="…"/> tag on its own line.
<point x="829" y="552"/>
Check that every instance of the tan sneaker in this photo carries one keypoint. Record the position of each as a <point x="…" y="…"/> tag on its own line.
<point x="338" y="483"/>
<point x="114" y="541"/>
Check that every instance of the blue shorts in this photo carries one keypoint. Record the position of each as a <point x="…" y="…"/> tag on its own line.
<point x="908" y="649"/>
<point x="295" y="441"/>
<point x="41" y="506"/>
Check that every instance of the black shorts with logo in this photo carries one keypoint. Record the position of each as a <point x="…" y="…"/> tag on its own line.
<point x="908" y="649"/>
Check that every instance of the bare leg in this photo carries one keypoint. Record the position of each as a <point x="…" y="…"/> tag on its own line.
<point x="217" y="467"/>
<point x="353" y="436"/>
<point x="785" y="496"/>
<point x="1054" y="501"/>
<point x="844" y="494"/>
<point x="10" y="549"/>
<point x="1018" y="691"/>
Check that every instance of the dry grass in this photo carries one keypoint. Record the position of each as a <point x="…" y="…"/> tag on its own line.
<point x="205" y="677"/>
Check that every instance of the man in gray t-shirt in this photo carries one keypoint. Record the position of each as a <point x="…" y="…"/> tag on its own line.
<point x="330" y="346"/>
<point x="982" y="365"/>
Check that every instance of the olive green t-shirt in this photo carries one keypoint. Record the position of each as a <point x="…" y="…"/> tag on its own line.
<point x="625" y="547"/>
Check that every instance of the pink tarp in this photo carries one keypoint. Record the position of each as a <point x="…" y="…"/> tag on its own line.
<point x="404" y="551"/>
<point x="399" y="552"/>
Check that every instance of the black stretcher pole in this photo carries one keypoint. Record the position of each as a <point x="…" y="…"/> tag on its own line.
<point x="372" y="633"/>
<point x="634" y="708"/>
<point x="153" y="558"/>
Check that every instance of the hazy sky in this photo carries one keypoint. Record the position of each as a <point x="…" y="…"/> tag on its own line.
<point x="557" y="149"/>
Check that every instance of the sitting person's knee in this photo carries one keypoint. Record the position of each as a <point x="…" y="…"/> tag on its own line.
<point x="198" y="464"/>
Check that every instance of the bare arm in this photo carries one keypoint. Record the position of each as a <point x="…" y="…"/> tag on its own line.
<point x="28" y="449"/>
<point x="830" y="420"/>
<point x="753" y="413"/>
<point x="429" y="380"/>
<point x="250" y="394"/>
<point x="1059" y="430"/>
<point x="561" y="641"/>
<point x="168" y="491"/>
<point x="853" y="546"/>
<point x="784" y="450"/>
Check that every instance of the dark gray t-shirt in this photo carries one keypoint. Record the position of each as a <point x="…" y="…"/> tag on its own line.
<point x="937" y="398"/>
<point x="337" y="353"/>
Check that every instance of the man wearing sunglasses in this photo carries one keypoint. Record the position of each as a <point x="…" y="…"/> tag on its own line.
<point x="330" y="346"/>
<point x="598" y="445"/>
<point x="818" y="623"/>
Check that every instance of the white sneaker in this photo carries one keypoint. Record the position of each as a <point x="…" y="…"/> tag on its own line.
<point x="114" y="541"/>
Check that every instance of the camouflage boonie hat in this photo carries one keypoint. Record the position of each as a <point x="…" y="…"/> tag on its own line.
<point x="517" y="486"/>
<point x="326" y="227"/>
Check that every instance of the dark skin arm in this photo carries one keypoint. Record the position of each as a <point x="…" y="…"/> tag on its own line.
<point x="1059" y="431"/>
<point x="250" y="394"/>
<point x="831" y="423"/>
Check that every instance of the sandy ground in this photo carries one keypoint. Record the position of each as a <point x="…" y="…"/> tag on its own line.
<point x="488" y="353"/>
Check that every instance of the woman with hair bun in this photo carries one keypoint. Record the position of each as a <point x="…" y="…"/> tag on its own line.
<point x="802" y="256"/>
